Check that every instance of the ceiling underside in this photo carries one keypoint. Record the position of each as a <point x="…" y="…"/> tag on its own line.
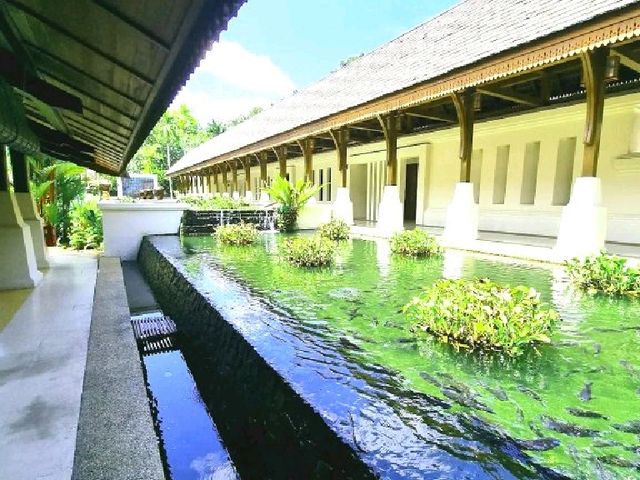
<point x="95" y="75"/>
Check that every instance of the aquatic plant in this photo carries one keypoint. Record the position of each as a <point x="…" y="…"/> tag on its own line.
<point x="237" y="234"/>
<point x="334" y="230"/>
<point x="480" y="314"/>
<point x="315" y="251"/>
<point x="290" y="198"/>
<point x="604" y="273"/>
<point x="415" y="243"/>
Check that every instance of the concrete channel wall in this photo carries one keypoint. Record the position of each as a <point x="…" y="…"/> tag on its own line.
<point x="269" y="430"/>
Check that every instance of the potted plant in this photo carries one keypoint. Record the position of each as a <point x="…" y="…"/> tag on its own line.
<point x="158" y="193"/>
<point x="290" y="199"/>
<point x="51" y="217"/>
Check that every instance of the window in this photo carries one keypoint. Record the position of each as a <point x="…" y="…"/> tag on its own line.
<point x="564" y="171"/>
<point x="329" y="188"/>
<point x="321" y="192"/>
<point x="500" y="174"/>
<point x="530" y="173"/>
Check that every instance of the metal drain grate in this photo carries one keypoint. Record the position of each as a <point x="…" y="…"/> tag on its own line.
<point x="154" y="332"/>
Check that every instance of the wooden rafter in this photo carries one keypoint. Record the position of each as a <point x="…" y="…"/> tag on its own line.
<point x="509" y="95"/>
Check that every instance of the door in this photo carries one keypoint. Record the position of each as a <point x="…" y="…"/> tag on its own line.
<point x="411" y="192"/>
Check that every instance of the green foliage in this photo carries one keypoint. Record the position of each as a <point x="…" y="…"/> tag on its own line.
<point x="86" y="226"/>
<point x="480" y="314"/>
<point x="214" y="203"/>
<point x="334" y="230"/>
<point x="291" y="199"/>
<point x="50" y="213"/>
<point x="415" y="243"/>
<point x="312" y="251"/>
<point x="237" y="234"/>
<point x="606" y="274"/>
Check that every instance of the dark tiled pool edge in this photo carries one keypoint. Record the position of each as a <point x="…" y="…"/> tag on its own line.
<point x="270" y="431"/>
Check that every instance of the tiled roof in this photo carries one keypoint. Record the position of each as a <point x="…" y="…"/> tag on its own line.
<point x="466" y="33"/>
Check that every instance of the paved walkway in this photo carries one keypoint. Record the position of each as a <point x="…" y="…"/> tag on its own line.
<point x="528" y="247"/>
<point x="43" y="349"/>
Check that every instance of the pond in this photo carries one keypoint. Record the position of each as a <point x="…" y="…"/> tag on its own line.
<point x="572" y="406"/>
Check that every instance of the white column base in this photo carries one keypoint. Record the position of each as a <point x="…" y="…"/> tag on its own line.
<point x="461" y="224"/>
<point x="248" y="196"/>
<point x="18" y="268"/>
<point x="390" y="212"/>
<point x="313" y="214"/>
<point x="225" y="194"/>
<point x="343" y="207"/>
<point x="35" y="223"/>
<point x="264" y="198"/>
<point x="583" y="225"/>
<point x="235" y="195"/>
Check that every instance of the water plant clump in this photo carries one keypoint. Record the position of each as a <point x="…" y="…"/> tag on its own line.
<point x="334" y="230"/>
<point x="237" y="234"/>
<point x="480" y="314"/>
<point x="291" y="199"/>
<point x="415" y="243"/>
<point x="604" y="273"/>
<point x="315" y="251"/>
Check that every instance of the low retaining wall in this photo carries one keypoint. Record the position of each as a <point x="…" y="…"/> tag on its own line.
<point x="269" y="430"/>
<point x="202" y="222"/>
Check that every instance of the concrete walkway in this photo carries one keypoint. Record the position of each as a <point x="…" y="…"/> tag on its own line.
<point x="526" y="247"/>
<point x="43" y="349"/>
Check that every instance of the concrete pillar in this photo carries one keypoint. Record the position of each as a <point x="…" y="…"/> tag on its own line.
<point x="18" y="266"/>
<point x="391" y="209"/>
<point x="27" y="207"/>
<point x="342" y="206"/>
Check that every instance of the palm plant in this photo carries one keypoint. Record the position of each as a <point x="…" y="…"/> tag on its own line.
<point x="291" y="198"/>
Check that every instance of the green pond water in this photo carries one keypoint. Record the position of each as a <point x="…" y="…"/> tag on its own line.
<point x="537" y="395"/>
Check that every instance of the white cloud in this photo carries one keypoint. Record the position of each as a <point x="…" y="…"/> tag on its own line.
<point x="230" y="81"/>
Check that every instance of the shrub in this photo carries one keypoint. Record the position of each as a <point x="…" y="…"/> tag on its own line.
<point x="415" y="243"/>
<point x="334" y="230"/>
<point x="86" y="226"/>
<point x="480" y="314"/>
<point x="313" y="251"/>
<point x="604" y="273"/>
<point x="214" y="203"/>
<point x="237" y="234"/>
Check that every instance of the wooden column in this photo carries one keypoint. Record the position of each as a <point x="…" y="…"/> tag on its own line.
<point x="246" y="163"/>
<point x="216" y="180"/>
<point x="225" y="181"/>
<point x="341" y="139"/>
<point x="4" y="171"/>
<point x="234" y="175"/>
<point x="389" y="123"/>
<point x="593" y="72"/>
<point x="306" y="146"/>
<point x="281" y="155"/>
<point x="20" y="168"/>
<point x="463" y="102"/>
<point x="262" y="160"/>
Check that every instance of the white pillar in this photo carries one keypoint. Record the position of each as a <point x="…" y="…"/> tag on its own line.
<point x="35" y="223"/>
<point x="264" y="198"/>
<point x="583" y="225"/>
<point x="235" y="195"/>
<point x="248" y="196"/>
<point x="390" y="212"/>
<point x="18" y="267"/>
<point x="461" y="224"/>
<point x="343" y="207"/>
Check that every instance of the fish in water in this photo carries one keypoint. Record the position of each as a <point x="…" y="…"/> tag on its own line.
<point x="585" y="393"/>
<point x="499" y="393"/>
<point x="345" y="342"/>
<point x="619" y="461"/>
<point x="431" y="379"/>
<point x="568" y="428"/>
<point x="538" y="444"/>
<point x="633" y="371"/>
<point x="578" y="412"/>
<point x="464" y="398"/>
<point x="597" y="348"/>
<point x="532" y="393"/>
<point x="632" y="426"/>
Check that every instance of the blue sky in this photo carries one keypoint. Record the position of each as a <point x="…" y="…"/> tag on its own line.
<point x="275" y="46"/>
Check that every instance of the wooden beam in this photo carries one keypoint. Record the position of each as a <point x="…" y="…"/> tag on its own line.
<point x="509" y="95"/>
<point x="389" y="123"/>
<point x="442" y="117"/>
<point x="628" y="57"/>
<point x="281" y="155"/>
<point x="306" y="145"/>
<point x="131" y="23"/>
<point x="593" y="72"/>
<point x="47" y="22"/>
<point x="366" y="129"/>
<point x="341" y="141"/>
<point x="463" y="102"/>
